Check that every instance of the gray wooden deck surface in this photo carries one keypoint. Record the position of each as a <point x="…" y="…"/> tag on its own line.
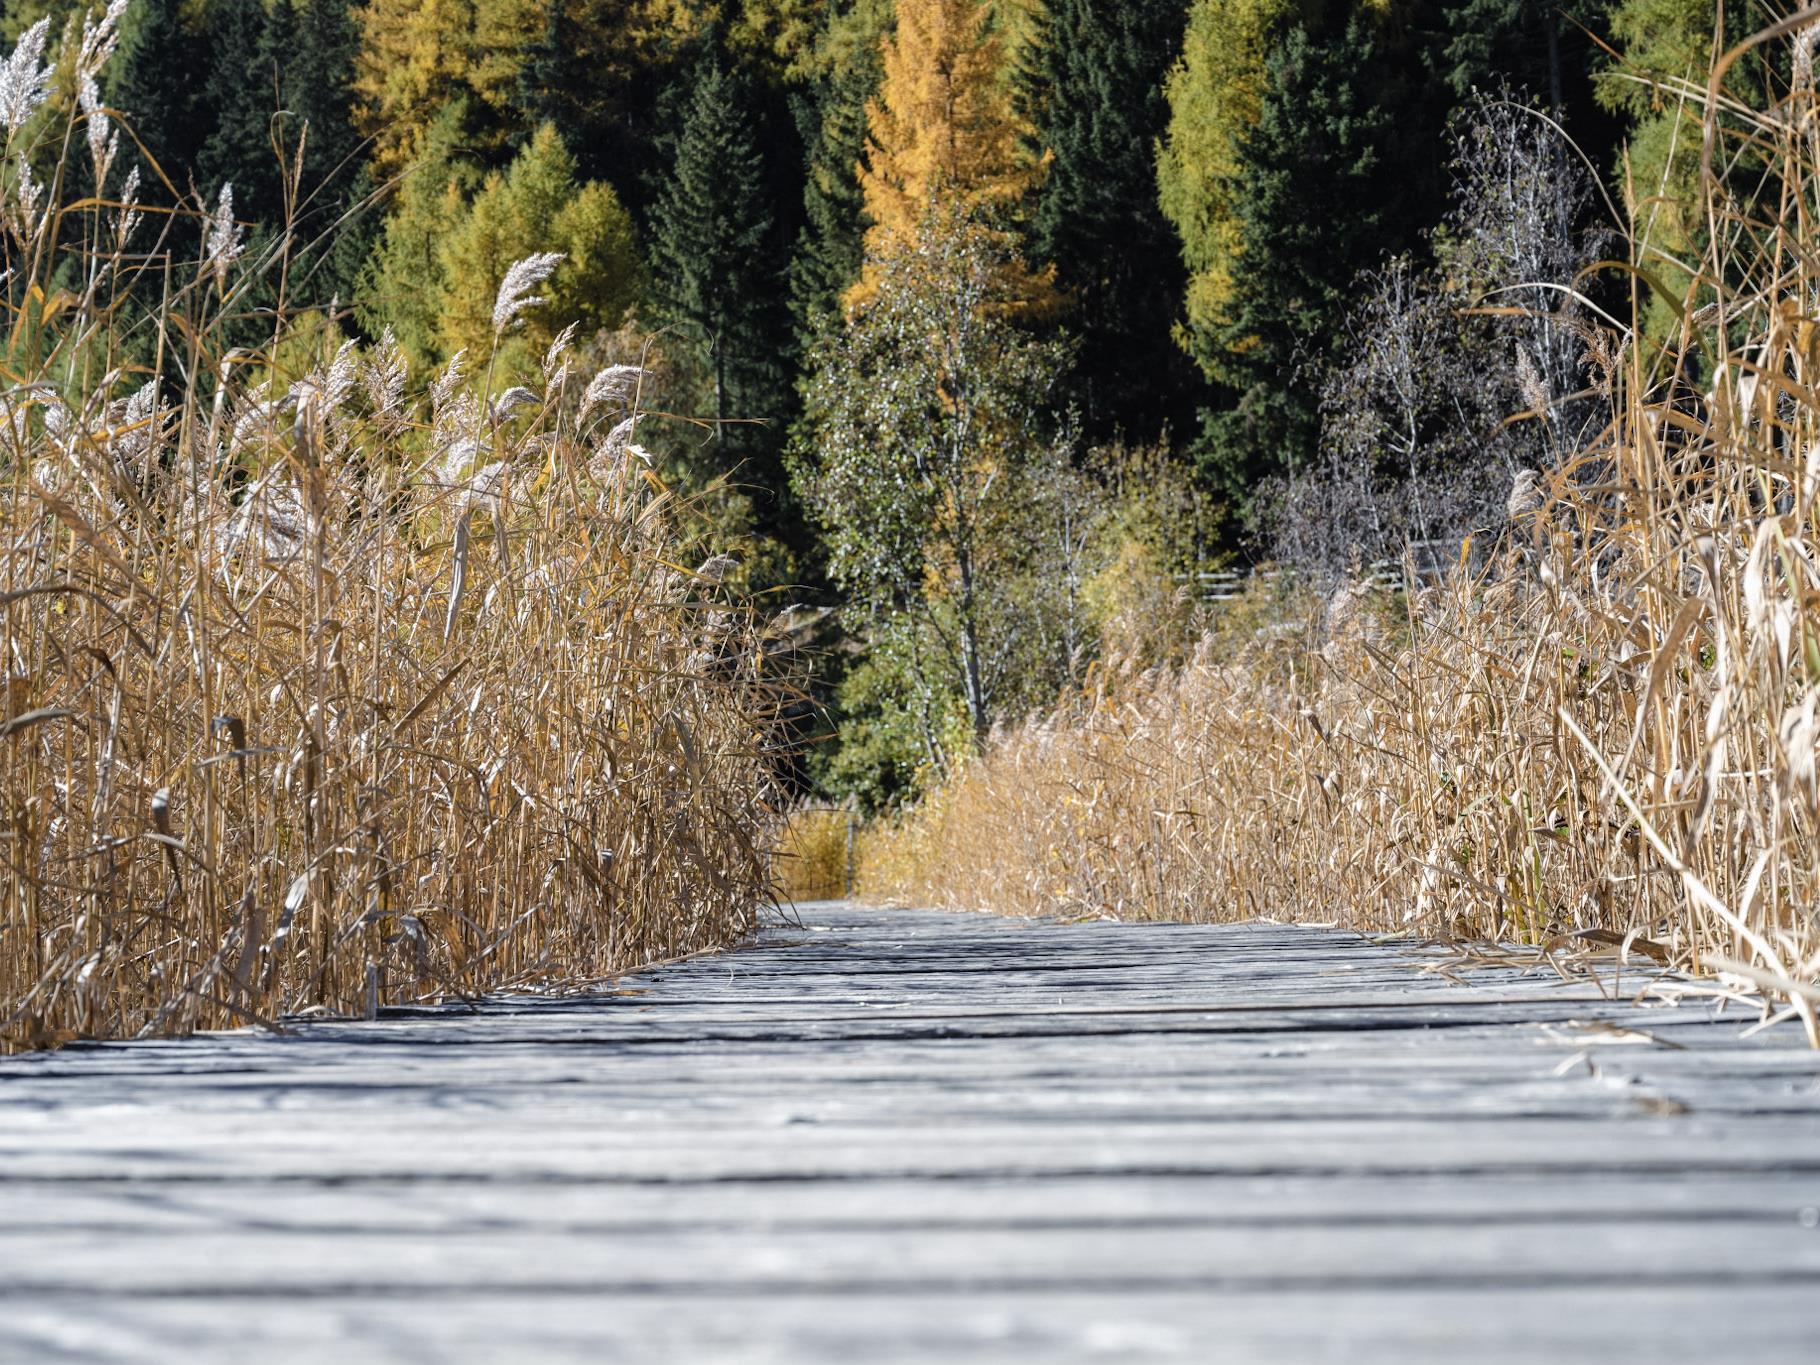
<point x="893" y="1136"/>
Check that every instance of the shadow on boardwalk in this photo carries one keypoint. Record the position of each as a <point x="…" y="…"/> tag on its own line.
<point x="894" y="1136"/>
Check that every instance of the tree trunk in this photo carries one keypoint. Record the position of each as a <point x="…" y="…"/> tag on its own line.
<point x="970" y="650"/>
<point x="720" y="403"/>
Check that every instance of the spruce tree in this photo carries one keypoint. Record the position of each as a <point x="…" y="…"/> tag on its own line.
<point x="836" y="70"/>
<point x="838" y="77"/>
<point x="244" y="88"/>
<point x="1326" y="187"/>
<point x="154" y="86"/>
<point x="320" y="86"/>
<point x="549" y="77"/>
<point x="710" y="247"/>
<point x="1532" y="48"/>
<point x="597" y="70"/>
<point x="1094" y="92"/>
<point x="831" y="246"/>
<point x="1517" y="39"/>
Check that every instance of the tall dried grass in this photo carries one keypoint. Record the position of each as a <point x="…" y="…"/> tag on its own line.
<point x="813" y="853"/>
<point x="1611" y="733"/>
<point x="327" y="692"/>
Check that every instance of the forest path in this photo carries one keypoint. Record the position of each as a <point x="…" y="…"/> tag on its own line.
<point x="911" y="1136"/>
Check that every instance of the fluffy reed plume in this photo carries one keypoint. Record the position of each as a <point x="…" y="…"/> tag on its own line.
<point x="319" y="693"/>
<point x="515" y="297"/>
<point x="24" y="78"/>
<point x="1609" y="735"/>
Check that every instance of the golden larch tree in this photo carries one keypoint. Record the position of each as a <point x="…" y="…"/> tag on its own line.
<point x="413" y="57"/>
<point x="943" y="126"/>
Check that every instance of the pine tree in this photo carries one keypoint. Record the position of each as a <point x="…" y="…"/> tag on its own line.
<point x="154" y="86"/>
<point x="841" y="80"/>
<point x="245" y="91"/>
<point x="710" y="239"/>
<point x="1319" y="195"/>
<point x="1094" y="88"/>
<point x="942" y="127"/>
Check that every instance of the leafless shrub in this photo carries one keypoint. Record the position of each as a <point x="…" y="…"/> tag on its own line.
<point x="1449" y="379"/>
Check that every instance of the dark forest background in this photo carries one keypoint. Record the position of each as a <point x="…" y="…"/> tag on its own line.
<point x="981" y="326"/>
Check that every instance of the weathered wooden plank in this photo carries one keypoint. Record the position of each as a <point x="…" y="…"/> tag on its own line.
<point x="916" y="1136"/>
<point x="144" y="1211"/>
<point x="253" y="1263"/>
<point x="1599" y="1323"/>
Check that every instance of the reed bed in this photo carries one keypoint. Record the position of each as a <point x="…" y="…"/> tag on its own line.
<point x="336" y="690"/>
<point x="813" y="853"/>
<point x="1607" y="736"/>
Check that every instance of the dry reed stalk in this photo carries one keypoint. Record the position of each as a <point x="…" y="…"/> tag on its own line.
<point x="319" y="694"/>
<point x="812" y="853"/>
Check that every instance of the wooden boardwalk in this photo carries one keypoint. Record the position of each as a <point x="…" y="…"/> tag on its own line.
<point x="892" y="1136"/>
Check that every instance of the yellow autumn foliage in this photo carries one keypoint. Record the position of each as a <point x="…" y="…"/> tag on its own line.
<point x="943" y="126"/>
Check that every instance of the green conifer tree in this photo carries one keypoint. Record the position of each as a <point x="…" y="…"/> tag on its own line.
<point x="1093" y="91"/>
<point x="1520" y="40"/>
<point x="1323" y="193"/>
<point x="153" y="84"/>
<point x="548" y="74"/>
<point x="595" y="69"/>
<point x="245" y="90"/>
<point x="712" y="267"/>
<point x="335" y="179"/>
<point x="831" y="115"/>
<point x="401" y="281"/>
